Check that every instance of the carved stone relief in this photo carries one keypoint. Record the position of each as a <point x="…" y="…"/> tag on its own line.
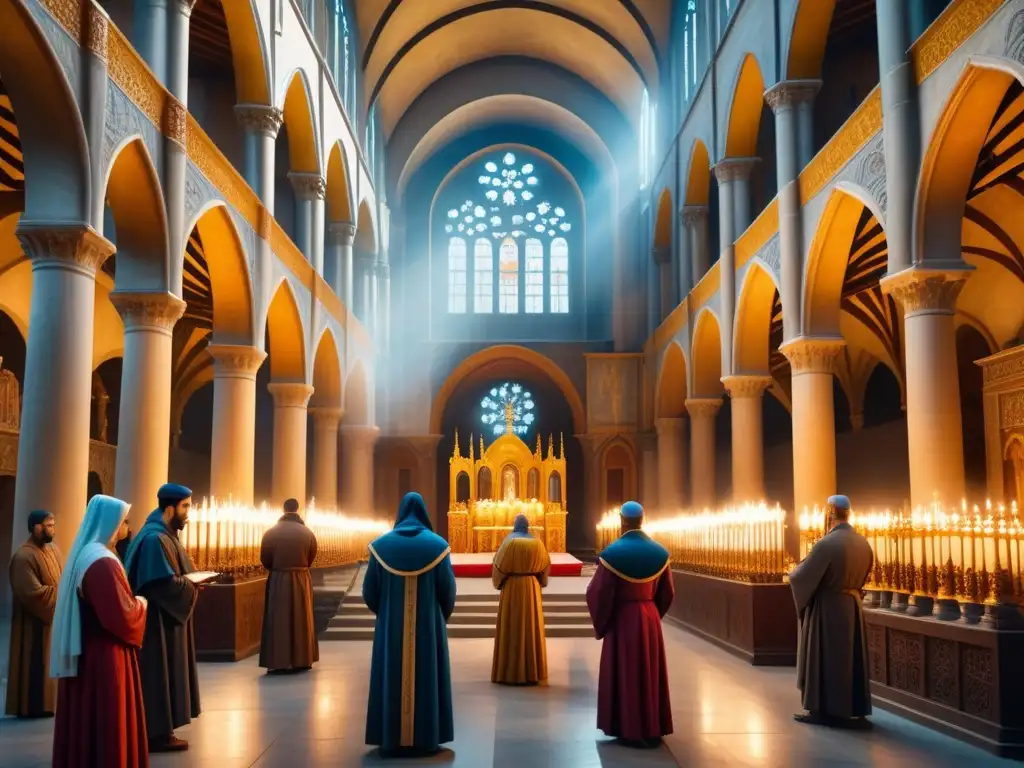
<point x="198" y="191"/>
<point x="867" y="170"/>
<point x="248" y="237"/>
<point x="123" y="119"/>
<point x="302" y="298"/>
<point x="64" y="47"/>
<point x="770" y="256"/>
<point x="612" y="394"/>
<point x="1013" y="47"/>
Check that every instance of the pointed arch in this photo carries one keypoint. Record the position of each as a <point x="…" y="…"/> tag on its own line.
<point x="300" y="121"/>
<point x="670" y="397"/>
<point x="706" y="355"/>
<point x="230" y="283"/>
<point x="745" y="110"/>
<point x="663" y="223"/>
<point x="248" y="53"/>
<point x="357" y="397"/>
<point x="287" y="339"/>
<point x="807" y="42"/>
<point x="366" y="228"/>
<point x="327" y="385"/>
<point x="698" y="180"/>
<point x="339" y="188"/>
<point x="751" y="344"/>
<point x="132" y="190"/>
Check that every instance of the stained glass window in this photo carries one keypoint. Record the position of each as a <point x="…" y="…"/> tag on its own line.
<point x="457" y="275"/>
<point x="534" y="276"/>
<point x="559" y="276"/>
<point x="505" y="405"/>
<point x="508" y="277"/>
<point x="483" y="276"/>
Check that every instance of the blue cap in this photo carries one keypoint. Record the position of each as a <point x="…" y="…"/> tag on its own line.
<point x="632" y="511"/>
<point x="172" y="493"/>
<point x="840" y="502"/>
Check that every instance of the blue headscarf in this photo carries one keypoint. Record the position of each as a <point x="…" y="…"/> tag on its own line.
<point x="521" y="527"/>
<point x="412" y="544"/>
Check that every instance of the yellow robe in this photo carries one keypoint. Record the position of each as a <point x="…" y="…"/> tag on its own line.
<point x="520" y="570"/>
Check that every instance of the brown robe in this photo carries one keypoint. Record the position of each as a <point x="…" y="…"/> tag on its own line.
<point x="832" y="661"/>
<point x="289" y="638"/>
<point x="35" y="573"/>
<point x="520" y="570"/>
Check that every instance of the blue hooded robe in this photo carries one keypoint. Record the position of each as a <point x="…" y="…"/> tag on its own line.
<point x="410" y="586"/>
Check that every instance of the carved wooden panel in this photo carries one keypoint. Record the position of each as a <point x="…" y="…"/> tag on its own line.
<point x="906" y="662"/>
<point x="943" y="672"/>
<point x="979" y="681"/>
<point x="876" y="654"/>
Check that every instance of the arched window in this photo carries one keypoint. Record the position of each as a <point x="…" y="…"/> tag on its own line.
<point x="483" y="276"/>
<point x="534" y="276"/>
<point x="559" y="276"/>
<point x="457" y="275"/>
<point x="508" y="277"/>
<point x="342" y="55"/>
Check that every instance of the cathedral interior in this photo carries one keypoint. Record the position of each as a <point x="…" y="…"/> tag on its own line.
<point x="548" y="256"/>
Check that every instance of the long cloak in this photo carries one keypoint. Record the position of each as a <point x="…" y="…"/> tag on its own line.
<point x="629" y="595"/>
<point x="410" y="586"/>
<point x="289" y="637"/>
<point x="35" y="573"/>
<point x="101" y="720"/>
<point x="832" y="656"/>
<point x="520" y="570"/>
<point x="156" y="564"/>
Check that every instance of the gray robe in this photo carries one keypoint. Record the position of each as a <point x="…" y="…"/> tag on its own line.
<point x="832" y="661"/>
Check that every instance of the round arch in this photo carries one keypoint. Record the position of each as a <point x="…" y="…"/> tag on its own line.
<point x="339" y="189"/>
<point x="706" y="355"/>
<point x="745" y="110"/>
<point x="357" y="397"/>
<point x="753" y="321"/>
<point x="507" y="352"/>
<point x="248" y="53"/>
<point x="287" y="339"/>
<point x="327" y="386"/>
<point x="698" y="179"/>
<point x="366" y="228"/>
<point x="300" y="121"/>
<point x="670" y="396"/>
<point x="807" y="41"/>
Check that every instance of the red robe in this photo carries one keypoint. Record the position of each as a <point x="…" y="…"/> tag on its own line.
<point x="632" y="691"/>
<point x="100" y="720"/>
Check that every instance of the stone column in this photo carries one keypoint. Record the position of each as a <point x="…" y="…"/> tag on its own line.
<point x="261" y="124"/>
<point x="95" y="76"/>
<point x="695" y="219"/>
<point x="671" y="464"/>
<point x="53" y="448"/>
<point x="233" y="446"/>
<point x="746" y="394"/>
<point x="812" y="362"/>
<point x="785" y="99"/>
<point x="934" y="429"/>
<point x="310" y="193"/>
<point x="290" y="418"/>
<point x="325" y="455"/>
<point x="702" y="450"/>
<point x="143" y="451"/>
<point x="341" y="235"/>
<point x="178" y="17"/>
<point x="653" y="275"/>
<point x="665" y="295"/>
<point x="149" y="35"/>
<point x="684" y="267"/>
<point x="364" y="284"/>
<point x="900" y="128"/>
<point x="357" y="469"/>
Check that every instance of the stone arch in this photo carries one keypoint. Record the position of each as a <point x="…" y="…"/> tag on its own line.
<point x="706" y="355"/>
<point x="366" y="228"/>
<point x="506" y="352"/>
<point x="248" y="52"/>
<point x="339" y="188"/>
<point x="230" y="284"/>
<point x="808" y="38"/>
<point x="618" y="453"/>
<point x="670" y="397"/>
<point x="58" y="184"/>
<point x="745" y="110"/>
<point x="663" y="222"/>
<point x="357" y="397"/>
<point x="287" y="348"/>
<point x="698" y="180"/>
<point x="754" y="309"/>
<point x="327" y="385"/>
<point x="300" y="122"/>
<point x="132" y="190"/>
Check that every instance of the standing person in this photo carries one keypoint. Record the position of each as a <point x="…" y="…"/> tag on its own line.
<point x="35" y="572"/>
<point x="630" y="594"/>
<point x="520" y="570"/>
<point x="832" y="655"/>
<point x="124" y="540"/>
<point x="410" y="585"/>
<point x="156" y="564"/>
<point x="287" y="552"/>
<point x="97" y="632"/>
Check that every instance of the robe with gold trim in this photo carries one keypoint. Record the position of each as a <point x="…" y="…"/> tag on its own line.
<point x="629" y="595"/>
<point x="520" y="570"/>
<point x="410" y="586"/>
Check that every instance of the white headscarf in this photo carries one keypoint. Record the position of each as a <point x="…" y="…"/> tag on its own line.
<point x="103" y="517"/>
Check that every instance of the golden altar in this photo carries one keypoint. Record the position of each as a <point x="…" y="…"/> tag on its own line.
<point x="506" y="480"/>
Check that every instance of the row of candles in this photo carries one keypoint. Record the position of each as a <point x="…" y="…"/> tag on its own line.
<point x="225" y="536"/>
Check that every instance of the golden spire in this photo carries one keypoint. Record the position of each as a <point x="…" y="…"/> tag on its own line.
<point x="561" y="446"/>
<point x="481" y="446"/>
<point x="537" y="452"/>
<point x="471" y="446"/>
<point x="456" y="451"/>
<point x="551" y="445"/>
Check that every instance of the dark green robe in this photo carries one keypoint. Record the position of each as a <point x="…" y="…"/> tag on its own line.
<point x="156" y="563"/>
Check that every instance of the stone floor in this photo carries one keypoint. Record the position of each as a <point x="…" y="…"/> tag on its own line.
<point x="726" y="714"/>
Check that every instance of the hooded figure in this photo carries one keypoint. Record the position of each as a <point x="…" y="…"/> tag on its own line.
<point x="520" y="571"/>
<point x="410" y="586"/>
<point x="97" y="632"/>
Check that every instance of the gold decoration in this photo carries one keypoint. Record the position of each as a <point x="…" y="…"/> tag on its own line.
<point x="1012" y="410"/>
<point x="77" y="245"/>
<point x="266" y="223"/>
<point x="290" y="255"/>
<point x="235" y="360"/>
<point x="175" y="121"/>
<point x="925" y="291"/>
<point x="10" y="399"/>
<point x="808" y="355"/>
<point x="1004" y="369"/>
<point x="148" y="310"/>
<point x="218" y="170"/>
<point x="706" y="288"/>
<point x="67" y="13"/>
<point x="960" y="20"/>
<point x="128" y="70"/>
<point x="97" y="31"/>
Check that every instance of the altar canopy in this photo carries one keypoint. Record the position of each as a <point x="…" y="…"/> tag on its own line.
<point x="507" y="479"/>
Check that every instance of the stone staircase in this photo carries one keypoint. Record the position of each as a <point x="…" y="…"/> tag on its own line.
<point x="475" y="616"/>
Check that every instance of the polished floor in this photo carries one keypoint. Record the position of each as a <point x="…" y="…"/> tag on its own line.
<point x="726" y="714"/>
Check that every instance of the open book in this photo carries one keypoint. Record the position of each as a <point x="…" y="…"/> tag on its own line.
<point x="201" y="577"/>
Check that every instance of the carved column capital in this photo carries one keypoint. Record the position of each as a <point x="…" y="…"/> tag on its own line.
<point x="96" y="31"/>
<point x="812" y="355"/>
<point x="703" y="407"/>
<point x="359" y="437"/>
<point x="308" y="186"/>
<point x="734" y="168"/>
<point x="141" y="310"/>
<point x="175" y="124"/>
<point x="290" y="394"/>
<point x="922" y="291"/>
<point x="789" y="93"/>
<point x="75" y="246"/>
<point x="693" y="215"/>
<point x="343" y="232"/>
<point x="185" y="6"/>
<point x="746" y="386"/>
<point x="260" y="118"/>
<point x="235" y="361"/>
<point x="667" y="426"/>
<point x="325" y="417"/>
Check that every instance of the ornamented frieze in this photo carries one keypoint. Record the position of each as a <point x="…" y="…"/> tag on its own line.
<point x="855" y="133"/>
<point x="1011" y="410"/>
<point x="957" y="23"/>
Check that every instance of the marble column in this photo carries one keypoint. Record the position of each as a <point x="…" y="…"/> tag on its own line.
<point x="310" y="193"/>
<point x="357" y="444"/>
<point x="702" y="450"/>
<point x="261" y="124"/>
<point x="53" y="448"/>
<point x="671" y="464"/>
<point x="746" y="394"/>
<point x="695" y="219"/>
<point x="684" y="265"/>
<point x="290" y="419"/>
<point x="665" y="295"/>
<point x="364" y="285"/>
<point x="143" y="450"/>
<point x="233" y="446"/>
<point x="179" y="15"/>
<point x="340" y="237"/>
<point x="934" y="429"/>
<point x="325" y="455"/>
<point x="96" y="83"/>
<point x="149" y="34"/>
<point x="785" y="99"/>
<point x="812" y="362"/>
